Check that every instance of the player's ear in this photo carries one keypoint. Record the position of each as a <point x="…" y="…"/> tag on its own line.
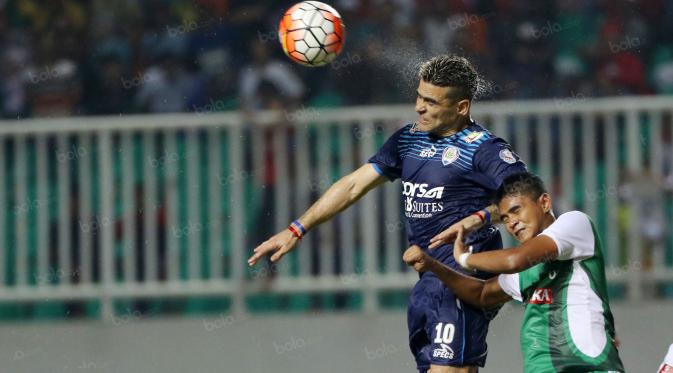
<point x="545" y="202"/>
<point x="463" y="107"/>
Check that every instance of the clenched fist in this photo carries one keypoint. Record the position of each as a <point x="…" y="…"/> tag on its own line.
<point x="415" y="257"/>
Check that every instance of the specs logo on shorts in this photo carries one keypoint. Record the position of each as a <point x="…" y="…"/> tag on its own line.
<point x="445" y="352"/>
<point x="542" y="296"/>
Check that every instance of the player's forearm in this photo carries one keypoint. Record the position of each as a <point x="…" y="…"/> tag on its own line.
<point x="539" y="249"/>
<point x="468" y="289"/>
<point x="498" y="261"/>
<point x="337" y="198"/>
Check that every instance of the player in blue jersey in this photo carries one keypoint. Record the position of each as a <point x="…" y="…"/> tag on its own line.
<point x="449" y="167"/>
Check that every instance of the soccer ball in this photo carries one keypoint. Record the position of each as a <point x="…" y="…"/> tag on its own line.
<point x="311" y="33"/>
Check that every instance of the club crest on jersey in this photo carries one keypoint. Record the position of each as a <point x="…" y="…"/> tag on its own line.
<point x="507" y="156"/>
<point x="542" y="296"/>
<point x="473" y="136"/>
<point x="450" y="155"/>
<point x="666" y="369"/>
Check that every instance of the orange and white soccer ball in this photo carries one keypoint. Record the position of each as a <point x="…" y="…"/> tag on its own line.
<point x="312" y="33"/>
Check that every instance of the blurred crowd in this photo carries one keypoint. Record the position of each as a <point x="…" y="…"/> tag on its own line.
<point x="94" y="57"/>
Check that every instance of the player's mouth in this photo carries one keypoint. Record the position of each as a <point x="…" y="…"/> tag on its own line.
<point x="422" y="121"/>
<point x="518" y="232"/>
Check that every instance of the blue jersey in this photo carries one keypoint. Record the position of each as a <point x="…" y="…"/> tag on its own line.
<point x="445" y="179"/>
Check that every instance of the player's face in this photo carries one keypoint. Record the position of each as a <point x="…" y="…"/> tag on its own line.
<point x="524" y="216"/>
<point x="438" y="113"/>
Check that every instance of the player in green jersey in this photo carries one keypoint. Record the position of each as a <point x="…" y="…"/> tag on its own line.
<point x="557" y="271"/>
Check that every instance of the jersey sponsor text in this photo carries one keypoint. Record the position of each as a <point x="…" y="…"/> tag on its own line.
<point x="542" y="296"/>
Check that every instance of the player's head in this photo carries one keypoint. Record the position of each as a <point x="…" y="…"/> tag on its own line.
<point x="524" y="205"/>
<point x="445" y="91"/>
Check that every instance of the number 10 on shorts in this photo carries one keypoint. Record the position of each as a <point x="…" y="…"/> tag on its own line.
<point x="444" y="333"/>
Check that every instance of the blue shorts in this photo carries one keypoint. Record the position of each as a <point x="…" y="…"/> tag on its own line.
<point x="442" y="329"/>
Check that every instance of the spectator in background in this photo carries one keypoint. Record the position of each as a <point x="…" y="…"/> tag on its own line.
<point x="167" y="86"/>
<point x="661" y="70"/>
<point x="219" y="91"/>
<point x="622" y="35"/>
<point x="110" y="79"/>
<point x="13" y="83"/>
<point x="263" y="68"/>
<point x="55" y="88"/>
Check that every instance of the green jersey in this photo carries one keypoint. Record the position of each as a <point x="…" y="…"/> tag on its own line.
<point x="568" y="325"/>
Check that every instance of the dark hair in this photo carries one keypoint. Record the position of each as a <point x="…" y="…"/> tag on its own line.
<point x="524" y="183"/>
<point x="451" y="71"/>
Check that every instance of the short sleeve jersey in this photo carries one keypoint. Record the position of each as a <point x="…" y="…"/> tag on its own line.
<point x="568" y="325"/>
<point x="445" y="179"/>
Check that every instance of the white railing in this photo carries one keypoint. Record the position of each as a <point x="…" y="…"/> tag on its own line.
<point x="109" y="208"/>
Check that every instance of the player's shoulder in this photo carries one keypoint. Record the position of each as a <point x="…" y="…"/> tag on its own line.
<point x="480" y="140"/>
<point x="475" y="135"/>
<point x="574" y="216"/>
<point x="575" y="221"/>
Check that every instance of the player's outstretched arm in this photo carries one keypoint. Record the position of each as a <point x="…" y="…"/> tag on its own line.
<point x="539" y="249"/>
<point x="470" y="223"/>
<point x="337" y="198"/>
<point x="479" y="293"/>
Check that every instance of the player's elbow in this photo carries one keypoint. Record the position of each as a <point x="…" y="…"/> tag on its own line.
<point x="352" y="188"/>
<point x="486" y="302"/>
<point x="347" y="189"/>
<point x="482" y="302"/>
<point x="356" y="185"/>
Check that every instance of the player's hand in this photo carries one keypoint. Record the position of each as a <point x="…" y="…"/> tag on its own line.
<point x="459" y="246"/>
<point x="280" y="244"/>
<point x="415" y="257"/>
<point x="449" y="235"/>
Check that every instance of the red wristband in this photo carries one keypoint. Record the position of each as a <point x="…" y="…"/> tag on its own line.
<point x="481" y="217"/>
<point x="295" y="232"/>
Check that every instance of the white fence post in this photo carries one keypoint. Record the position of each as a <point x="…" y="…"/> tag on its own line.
<point x="238" y="215"/>
<point x="634" y="166"/>
<point x="368" y="226"/>
<point x="105" y="168"/>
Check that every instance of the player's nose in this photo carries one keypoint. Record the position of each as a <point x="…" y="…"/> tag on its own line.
<point x="420" y="107"/>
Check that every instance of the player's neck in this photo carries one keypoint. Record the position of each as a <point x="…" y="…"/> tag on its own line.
<point x="459" y="126"/>
<point x="549" y="219"/>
